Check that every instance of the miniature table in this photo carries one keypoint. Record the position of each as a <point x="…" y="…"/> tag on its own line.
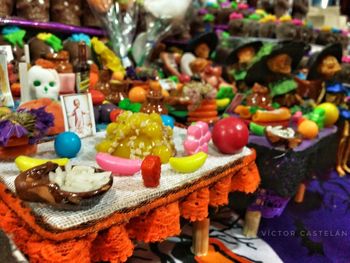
<point x="128" y="211"/>
<point x="285" y="172"/>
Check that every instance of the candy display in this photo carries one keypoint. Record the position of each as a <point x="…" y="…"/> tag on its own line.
<point x="158" y="112"/>
<point x="36" y="10"/>
<point x="136" y="135"/>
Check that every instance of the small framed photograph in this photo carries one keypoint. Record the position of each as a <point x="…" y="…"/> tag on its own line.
<point x="6" y="98"/>
<point x="79" y="114"/>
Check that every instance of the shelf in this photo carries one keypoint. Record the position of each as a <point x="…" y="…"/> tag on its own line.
<point x="51" y="26"/>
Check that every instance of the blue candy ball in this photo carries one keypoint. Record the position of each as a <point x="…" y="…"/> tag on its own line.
<point x="168" y="121"/>
<point x="67" y="144"/>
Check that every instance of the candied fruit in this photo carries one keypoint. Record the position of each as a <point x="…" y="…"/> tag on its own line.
<point x="137" y="135"/>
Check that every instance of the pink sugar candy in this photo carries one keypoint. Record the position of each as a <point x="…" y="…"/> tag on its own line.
<point x="235" y="16"/>
<point x="197" y="139"/>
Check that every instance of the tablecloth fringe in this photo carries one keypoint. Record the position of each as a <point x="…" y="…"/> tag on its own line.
<point x="115" y="243"/>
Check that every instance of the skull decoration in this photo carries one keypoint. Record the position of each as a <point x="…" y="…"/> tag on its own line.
<point x="44" y="83"/>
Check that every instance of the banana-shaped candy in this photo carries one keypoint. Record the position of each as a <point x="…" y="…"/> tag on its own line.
<point x="118" y="165"/>
<point x="188" y="164"/>
<point x="24" y="163"/>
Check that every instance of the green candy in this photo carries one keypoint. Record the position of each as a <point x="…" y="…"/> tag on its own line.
<point x="257" y="129"/>
<point x="225" y="92"/>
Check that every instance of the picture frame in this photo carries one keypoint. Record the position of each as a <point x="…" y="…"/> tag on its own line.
<point x="78" y="114"/>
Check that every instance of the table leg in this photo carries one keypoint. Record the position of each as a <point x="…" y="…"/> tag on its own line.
<point x="252" y="223"/>
<point x="299" y="197"/>
<point x="200" y="237"/>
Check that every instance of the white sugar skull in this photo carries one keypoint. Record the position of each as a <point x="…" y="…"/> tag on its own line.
<point x="44" y="83"/>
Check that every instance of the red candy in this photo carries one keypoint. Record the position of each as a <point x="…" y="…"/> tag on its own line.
<point x="150" y="170"/>
<point x="97" y="97"/>
<point x="114" y="114"/>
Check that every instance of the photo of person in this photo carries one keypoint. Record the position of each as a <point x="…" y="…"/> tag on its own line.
<point x="78" y="113"/>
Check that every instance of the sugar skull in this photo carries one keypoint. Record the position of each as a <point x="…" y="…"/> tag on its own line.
<point x="44" y="83"/>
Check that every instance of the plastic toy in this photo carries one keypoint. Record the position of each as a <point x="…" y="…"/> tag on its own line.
<point x="230" y="135"/>
<point x="24" y="163"/>
<point x="151" y="171"/>
<point x="168" y="121"/>
<point x="118" y="165"/>
<point x="197" y="139"/>
<point x="67" y="144"/>
<point x="188" y="164"/>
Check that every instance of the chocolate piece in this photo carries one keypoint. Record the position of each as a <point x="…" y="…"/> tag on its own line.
<point x="251" y="28"/>
<point x="300" y="9"/>
<point x="89" y="19"/>
<point x="66" y="12"/>
<point x="235" y="27"/>
<point x="36" y="10"/>
<point x="61" y="61"/>
<point x="286" y="31"/>
<point x="223" y="16"/>
<point x="266" y="5"/>
<point x="281" y="7"/>
<point x="6" y="7"/>
<point x="38" y="49"/>
<point x="34" y="185"/>
<point x="306" y="34"/>
<point x="267" y="30"/>
<point x="326" y="37"/>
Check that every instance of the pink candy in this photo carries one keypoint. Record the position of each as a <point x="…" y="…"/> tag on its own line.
<point x="198" y="137"/>
<point x="235" y="16"/>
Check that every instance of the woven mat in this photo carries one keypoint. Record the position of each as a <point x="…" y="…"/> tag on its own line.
<point x="126" y="191"/>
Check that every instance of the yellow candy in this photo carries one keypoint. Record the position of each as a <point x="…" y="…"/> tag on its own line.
<point x="188" y="164"/>
<point x="163" y="152"/>
<point x="137" y="135"/>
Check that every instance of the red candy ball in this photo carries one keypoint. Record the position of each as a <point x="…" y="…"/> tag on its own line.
<point x="230" y="135"/>
<point x="97" y="97"/>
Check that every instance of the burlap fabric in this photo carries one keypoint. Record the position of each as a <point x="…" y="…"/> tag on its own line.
<point x="126" y="191"/>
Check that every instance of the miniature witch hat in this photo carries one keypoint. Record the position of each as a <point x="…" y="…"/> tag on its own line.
<point x="259" y="71"/>
<point x="239" y="45"/>
<point x="210" y="38"/>
<point x="315" y="59"/>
